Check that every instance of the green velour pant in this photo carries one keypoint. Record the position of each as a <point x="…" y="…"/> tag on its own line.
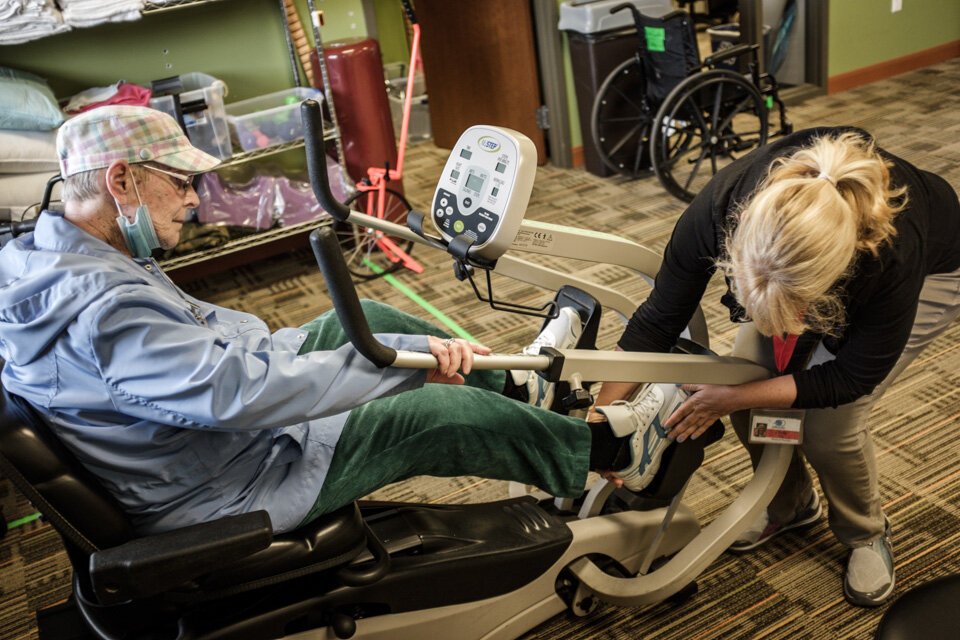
<point x="445" y="430"/>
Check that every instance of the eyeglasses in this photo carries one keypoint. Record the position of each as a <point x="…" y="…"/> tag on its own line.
<point x="180" y="181"/>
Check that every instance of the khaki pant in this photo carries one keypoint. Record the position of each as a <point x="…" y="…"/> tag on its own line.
<point x="837" y="442"/>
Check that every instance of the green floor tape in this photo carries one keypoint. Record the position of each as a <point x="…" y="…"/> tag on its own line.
<point x="22" y="521"/>
<point x="429" y="308"/>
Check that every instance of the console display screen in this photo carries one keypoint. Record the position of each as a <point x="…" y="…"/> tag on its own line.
<point x="474" y="182"/>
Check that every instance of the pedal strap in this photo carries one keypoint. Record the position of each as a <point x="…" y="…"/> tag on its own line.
<point x="620" y="416"/>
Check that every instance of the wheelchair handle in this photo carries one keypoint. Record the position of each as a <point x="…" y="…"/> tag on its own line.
<point x="345" y="300"/>
<point x="732" y="52"/>
<point x="637" y="16"/>
<point x="315" y="147"/>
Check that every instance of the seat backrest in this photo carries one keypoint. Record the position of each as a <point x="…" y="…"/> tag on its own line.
<point x="67" y="495"/>
<point x="669" y="54"/>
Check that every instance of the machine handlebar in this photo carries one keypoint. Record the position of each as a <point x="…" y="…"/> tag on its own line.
<point x="315" y="147"/>
<point x="345" y="300"/>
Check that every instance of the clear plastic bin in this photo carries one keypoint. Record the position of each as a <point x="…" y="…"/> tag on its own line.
<point x="419" y="127"/>
<point x="269" y="120"/>
<point x="207" y="126"/>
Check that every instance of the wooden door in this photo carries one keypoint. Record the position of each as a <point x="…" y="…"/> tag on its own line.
<point x="481" y="68"/>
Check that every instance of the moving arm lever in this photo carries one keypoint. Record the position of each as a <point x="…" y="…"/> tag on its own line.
<point x="344" y="297"/>
<point x="315" y="146"/>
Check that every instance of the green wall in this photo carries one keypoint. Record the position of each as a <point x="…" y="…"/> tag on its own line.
<point x="239" y="41"/>
<point x="391" y="31"/>
<point x="865" y="32"/>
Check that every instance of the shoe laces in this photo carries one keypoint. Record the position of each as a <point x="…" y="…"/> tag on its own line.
<point x="548" y="338"/>
<point x="646" y="407"/>
<point x="545" y="339"/>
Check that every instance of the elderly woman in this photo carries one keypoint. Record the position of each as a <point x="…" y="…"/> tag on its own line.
<point x="843" y="263"/>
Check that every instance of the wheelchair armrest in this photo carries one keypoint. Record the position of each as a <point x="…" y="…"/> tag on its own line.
<point x="732" y="52"/>
<point x="154" y="564"/>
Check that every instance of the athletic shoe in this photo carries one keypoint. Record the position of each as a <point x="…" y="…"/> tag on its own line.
<point x="561" y="332"/>
<point x="643" y="416"/>
<point x="870" y="576"/>
<point x="764" y="529"/>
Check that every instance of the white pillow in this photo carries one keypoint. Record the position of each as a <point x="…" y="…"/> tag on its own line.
<point x="19" y="191"/>
<point x="28" y="151"/>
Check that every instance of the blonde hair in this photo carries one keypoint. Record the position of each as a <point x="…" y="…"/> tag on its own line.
<point x="800" y="232"/>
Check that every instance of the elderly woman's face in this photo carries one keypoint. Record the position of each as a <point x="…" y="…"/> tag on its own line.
<point x="169" y="198"/>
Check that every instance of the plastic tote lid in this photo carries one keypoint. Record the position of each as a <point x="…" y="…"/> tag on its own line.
<point x="595" y="17"/>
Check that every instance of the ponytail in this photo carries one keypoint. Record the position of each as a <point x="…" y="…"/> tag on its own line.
<point x="798" y="235"/>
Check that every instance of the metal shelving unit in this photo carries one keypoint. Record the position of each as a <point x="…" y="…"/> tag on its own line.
<point x="257" y="154"/>
<point x="259" y="240"/>
<point x="159" y="7"/>
<point x="245" y="243"/>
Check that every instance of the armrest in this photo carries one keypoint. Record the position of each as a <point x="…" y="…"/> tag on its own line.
<point x="732" y="52"/>
<point x="155" y="564"/>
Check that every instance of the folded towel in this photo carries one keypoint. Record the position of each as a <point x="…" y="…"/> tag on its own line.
<point x="25" y="20"/>
<point x="87" y="13"/>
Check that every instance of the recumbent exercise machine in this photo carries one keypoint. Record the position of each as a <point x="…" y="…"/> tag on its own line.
<point x="402" y="570"/>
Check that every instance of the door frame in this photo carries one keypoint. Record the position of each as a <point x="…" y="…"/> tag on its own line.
<point x="816" y="14"/>
<point x="553" y="84"/>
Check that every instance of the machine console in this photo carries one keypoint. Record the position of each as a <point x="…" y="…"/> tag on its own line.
<point x="484" y="189"/>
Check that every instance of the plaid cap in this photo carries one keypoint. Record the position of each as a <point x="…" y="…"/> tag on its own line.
<point x="97" y="138"/>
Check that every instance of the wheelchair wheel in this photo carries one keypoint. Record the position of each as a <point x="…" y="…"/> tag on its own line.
<point x="706" y="122"/>
<point x="620" y="120"/>
<point x="364" y="258"/>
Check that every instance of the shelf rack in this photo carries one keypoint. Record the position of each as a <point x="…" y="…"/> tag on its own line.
<point x="270" y="241"/>
<point x="160" y="7"/>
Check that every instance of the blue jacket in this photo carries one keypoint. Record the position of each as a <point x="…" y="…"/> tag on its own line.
<point x="185" y="411"/>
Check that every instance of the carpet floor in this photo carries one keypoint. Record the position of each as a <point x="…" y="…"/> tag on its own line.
<point x="790" y="589"/>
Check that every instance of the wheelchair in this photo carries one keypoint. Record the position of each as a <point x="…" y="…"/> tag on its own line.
<point x="665" y="111"/>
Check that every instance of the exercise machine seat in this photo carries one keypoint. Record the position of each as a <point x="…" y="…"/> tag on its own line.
<point x="928" y="612"/>
<point x="91" y="522"/>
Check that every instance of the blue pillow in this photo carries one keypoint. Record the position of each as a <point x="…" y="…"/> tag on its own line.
<point x="26" y="102"/>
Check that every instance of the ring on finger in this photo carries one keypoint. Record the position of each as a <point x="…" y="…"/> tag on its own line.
<point x="448" y="342"/>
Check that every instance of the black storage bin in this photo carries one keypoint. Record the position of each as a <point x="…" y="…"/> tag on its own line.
<point x="598" y="43"/>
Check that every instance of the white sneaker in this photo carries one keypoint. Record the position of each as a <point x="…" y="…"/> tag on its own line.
<point x="644" y="416"/>
<point x="560" y="333"/>
<point x="870" y="575"/>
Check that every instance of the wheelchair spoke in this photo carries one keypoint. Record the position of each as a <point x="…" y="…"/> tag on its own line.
<point x="625" y="139"/>
<point x="733" y="113"/>
<point x="696" y="168"/>
<point x="717" y="101"/>
<point x="641" y="119"/>
<point x="707" y="146"/>
<point x="626" y="98"/>
<point x="638" y="156"/>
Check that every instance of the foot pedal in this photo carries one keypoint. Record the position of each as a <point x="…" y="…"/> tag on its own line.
<point x="589" y="310"/>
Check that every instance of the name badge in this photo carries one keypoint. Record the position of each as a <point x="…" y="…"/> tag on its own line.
<point x="776" y="426"/>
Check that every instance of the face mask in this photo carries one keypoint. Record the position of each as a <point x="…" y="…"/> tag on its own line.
<point x="140" y="236"/>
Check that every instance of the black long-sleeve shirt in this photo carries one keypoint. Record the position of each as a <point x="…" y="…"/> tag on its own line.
<point x="880" y="297"/>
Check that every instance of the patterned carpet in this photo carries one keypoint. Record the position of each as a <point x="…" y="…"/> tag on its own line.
<point x="791" y="589"/>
